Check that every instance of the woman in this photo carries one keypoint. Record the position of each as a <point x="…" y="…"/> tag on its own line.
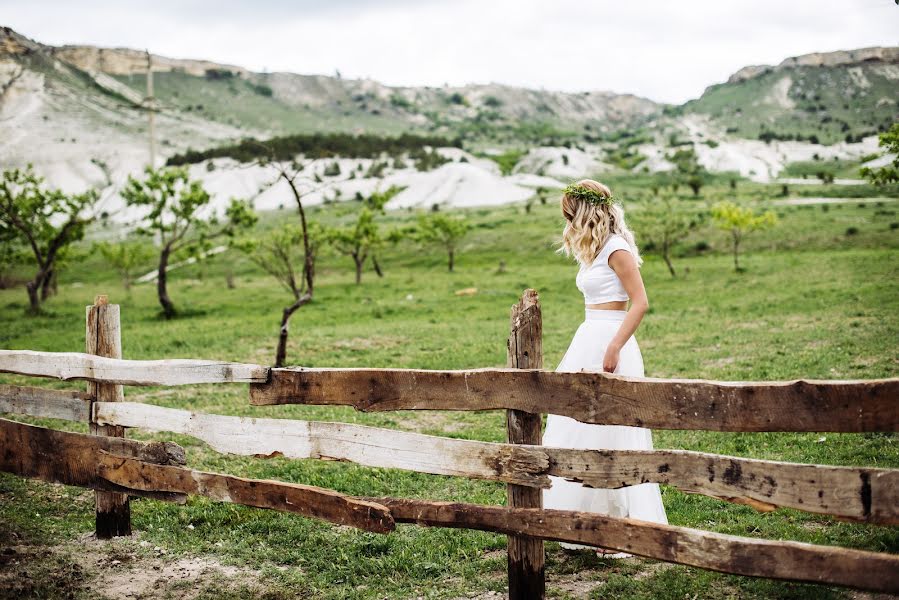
<point x="597" y="237"/>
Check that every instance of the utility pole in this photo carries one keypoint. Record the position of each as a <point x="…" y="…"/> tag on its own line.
<point x="150" y="103"/>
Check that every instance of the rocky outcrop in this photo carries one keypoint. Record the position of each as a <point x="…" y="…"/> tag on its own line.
<point x="126" y="61"/>
<point x="875" y="55"/>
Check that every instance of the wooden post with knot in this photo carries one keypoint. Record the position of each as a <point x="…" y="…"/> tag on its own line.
<point x="526" y="559"/>
<point x="103" y="337"/>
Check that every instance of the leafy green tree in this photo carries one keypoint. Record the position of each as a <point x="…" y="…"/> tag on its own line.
<point x="888" y="173"/>
<point x="664" y="223"/>
<point x="444" y="230"/>
<point x="740" y="221"/>
<point x="279" y="252"/>
<point x="174" y="205"/>
<point x="46" y="221"/>
<point x="689" y="171"/>
<point x="126" y="258"/>
<point x="357" y="240"/>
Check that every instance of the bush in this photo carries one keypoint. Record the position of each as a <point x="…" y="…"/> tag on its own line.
<point x="263" y="90"/>
<point x="852" y="231"/>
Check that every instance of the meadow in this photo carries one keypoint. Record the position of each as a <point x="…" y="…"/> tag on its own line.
<point x="819" y="298"/>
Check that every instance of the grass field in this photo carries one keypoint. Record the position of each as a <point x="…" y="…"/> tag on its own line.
<point x="819" y="299"/>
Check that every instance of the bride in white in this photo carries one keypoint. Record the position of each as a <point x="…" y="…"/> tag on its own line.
<point x="597" y="236"/>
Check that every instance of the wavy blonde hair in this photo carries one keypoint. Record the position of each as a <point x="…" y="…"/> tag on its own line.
<point x="589" y="226"/>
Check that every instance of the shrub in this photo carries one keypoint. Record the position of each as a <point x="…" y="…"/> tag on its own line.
<point x="852" y="231"/>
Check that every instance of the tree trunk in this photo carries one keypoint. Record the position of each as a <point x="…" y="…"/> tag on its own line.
<point x="49" y="287"/>
<point x="736" y="252"/>
<point x="281" y="354"/>
<point x="668" y="262"/>
<point x="34" y="299"/>
<point x="374" y="263"/>
<point x="168" y="308"/>
<point x="359" y="262"/>
<point x="451" y="252"/>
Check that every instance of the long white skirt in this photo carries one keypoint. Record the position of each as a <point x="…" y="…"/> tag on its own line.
<point x="586" y="351"/>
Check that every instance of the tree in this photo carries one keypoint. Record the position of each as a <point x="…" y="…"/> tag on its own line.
<point x="357" y="240"/>
<point x="377" y="202"/>
<point x="663" y="224"/>
<point x="126" y="258"/>
<point x="888" y="173"/>
<point x="740" y="221"/>
<point x="46" y="221"/>
<point x="278" y="253"/>
<point x="175" y="205"/>
<point x="688" y="169"/>
<point x="443" y="230"/>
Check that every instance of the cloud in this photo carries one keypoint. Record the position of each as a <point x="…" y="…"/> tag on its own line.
<point x="667" y="51"/>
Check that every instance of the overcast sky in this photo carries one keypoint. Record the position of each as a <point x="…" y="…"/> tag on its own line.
<point x="661" y="49"/>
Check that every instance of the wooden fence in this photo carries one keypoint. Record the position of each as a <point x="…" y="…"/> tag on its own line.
<point x="118" y="467"/>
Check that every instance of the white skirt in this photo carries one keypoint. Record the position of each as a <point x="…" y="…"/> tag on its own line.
<point x="586" y="351"/>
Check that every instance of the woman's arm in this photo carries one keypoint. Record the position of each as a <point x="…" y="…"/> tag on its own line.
<point x="625" y="266"/>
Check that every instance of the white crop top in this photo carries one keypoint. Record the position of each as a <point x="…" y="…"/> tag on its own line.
<point x="598" y="281"/>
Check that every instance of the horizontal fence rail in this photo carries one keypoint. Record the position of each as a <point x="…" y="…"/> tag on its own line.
<point x="121" y="465"/>
<point x="858" y="494"/>
<point x="153" y="470"/>
<point x="78" y="365"/>
<point x="591" y="397"/>
<point x="791" y="561"/>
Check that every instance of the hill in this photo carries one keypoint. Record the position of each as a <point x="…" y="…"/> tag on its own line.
<point x="821" y="97"/>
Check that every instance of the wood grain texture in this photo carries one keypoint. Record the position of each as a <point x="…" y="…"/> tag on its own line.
<point x="603" y="398"/>
<point x="370" y="446"/>
<point x="306" y="500"/>
<point x="153" y="470"/>
<point x="525" y="555"/>
<point x="75" y="365"/>
<point x="72" y="458"/>
<point x="859" y="494"/>
<point x="40" y="402"/>
<point x="791" y="561"/>
<point x="103" y="337"/>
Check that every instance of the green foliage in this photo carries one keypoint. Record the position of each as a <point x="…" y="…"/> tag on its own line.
<point x="664" y="223"/>
<point x="888" y="173"/>
<point x="443" y="230"/>
<point x="740" y="221"/>
<point x="492" y="102"/>
<point x="126" y="258"/>
<point x="172" y="205"/>
<point x="262" y="90"/>
<point x="428" y="159"/>
<point x="316" y="145"/>
<point x="507" y="160"/>
<point x="280" y="250"/>
<point x="689" y="171"/>
<point x="45" y="221"/>
<point x="357" y="240"/>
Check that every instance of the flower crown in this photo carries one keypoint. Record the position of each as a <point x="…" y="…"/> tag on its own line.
<point x="589" y="196"/>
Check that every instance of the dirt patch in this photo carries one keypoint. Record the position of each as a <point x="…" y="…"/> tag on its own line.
<point x="119" y="568"/>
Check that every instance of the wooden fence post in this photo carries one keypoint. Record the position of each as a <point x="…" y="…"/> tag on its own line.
<point x="526" y="558"/>
<point x="103" y="337"/>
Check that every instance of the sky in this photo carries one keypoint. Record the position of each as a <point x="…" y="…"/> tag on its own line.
<point x="668" y="51"/>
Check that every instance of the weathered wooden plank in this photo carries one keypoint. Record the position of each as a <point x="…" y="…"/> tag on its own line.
<point x="525" y="555"/>
<point x="40" y="402"/>
<point x="360" y="444"/>
<point x="850" y="493"/>
<point x="592" y="397"/>
<point x="791" y="561"/>
<point x="71" y="458"/>
<point x="75" y="365"/>
<point x="127" y="466"/>
<point x="103" y="337"/>
<point x="860" y="494"/>
<point x="306" y="500"/>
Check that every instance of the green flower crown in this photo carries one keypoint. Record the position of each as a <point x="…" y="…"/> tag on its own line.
<point x="587" y="195"/>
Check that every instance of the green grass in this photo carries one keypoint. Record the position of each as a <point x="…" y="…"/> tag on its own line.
<point x="814" y="302"/>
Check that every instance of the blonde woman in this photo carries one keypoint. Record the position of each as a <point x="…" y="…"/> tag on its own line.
<point x="597" y="236"/>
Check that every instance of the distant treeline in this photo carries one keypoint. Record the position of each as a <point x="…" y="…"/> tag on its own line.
<point x="317" y="145"/>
